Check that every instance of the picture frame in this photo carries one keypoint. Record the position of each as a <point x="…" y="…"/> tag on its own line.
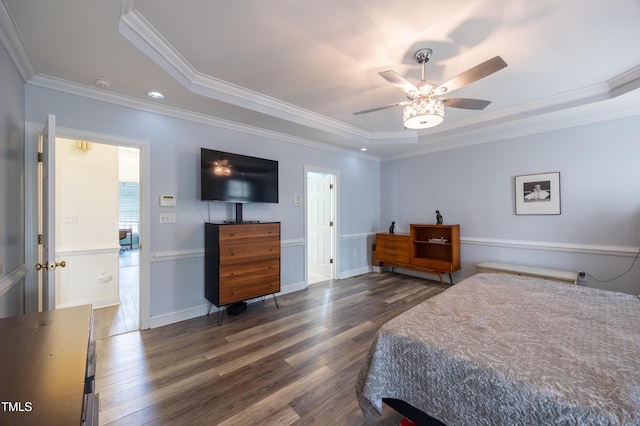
<point x="537" y="194"/>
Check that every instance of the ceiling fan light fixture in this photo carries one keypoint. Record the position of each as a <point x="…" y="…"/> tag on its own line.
<point x="423" y="113"/>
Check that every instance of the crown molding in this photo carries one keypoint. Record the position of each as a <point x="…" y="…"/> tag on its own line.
<point x="145" y="37"/>
<point x="138" y="31"/>
<point x="538" y="116"/>
<point x="625" y="82"/>
<point x="518" y="128"/>
<point x="12" y="41"/>
<point x="65" y="86"/>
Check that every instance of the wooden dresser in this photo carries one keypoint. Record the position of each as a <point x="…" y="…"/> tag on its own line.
<point x="242" y="261"/>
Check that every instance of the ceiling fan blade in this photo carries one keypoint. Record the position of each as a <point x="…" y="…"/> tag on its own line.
<point x="465" y="103"/>
<point x="472" y="74"/>
<point x="398" y="81"/>
<point x="379" y="108"/>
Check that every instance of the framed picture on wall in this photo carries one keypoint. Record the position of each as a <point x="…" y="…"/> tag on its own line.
<point x="538" y="194"/>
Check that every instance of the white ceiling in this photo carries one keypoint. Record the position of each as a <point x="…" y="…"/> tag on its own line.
<point x="301" y="68"/>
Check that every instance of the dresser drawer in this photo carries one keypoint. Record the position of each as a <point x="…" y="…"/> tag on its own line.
<point x="233" y="273"/>
<point x="249" y="289"/>
<point x="239" y="253"/>
<point x="249" y="233"/>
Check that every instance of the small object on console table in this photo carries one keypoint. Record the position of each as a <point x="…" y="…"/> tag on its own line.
<point x="392" y="227"/>
<point x="439" y="218"/>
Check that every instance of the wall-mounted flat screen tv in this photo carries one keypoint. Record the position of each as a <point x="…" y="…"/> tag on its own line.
<point x="236" y="178"/>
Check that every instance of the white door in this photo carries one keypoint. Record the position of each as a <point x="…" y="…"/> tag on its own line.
<point x="46" y="218"/>
<point x="319" y="226"/>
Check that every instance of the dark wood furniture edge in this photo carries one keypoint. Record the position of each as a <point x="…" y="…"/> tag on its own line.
<point x="382" y="264"/>
<point x="410" y="412"/>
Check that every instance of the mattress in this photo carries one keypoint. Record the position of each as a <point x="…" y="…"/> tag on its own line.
<point x="500" y="349"/>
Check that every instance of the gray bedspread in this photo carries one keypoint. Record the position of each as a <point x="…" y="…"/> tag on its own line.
<point x="499" y="349"/>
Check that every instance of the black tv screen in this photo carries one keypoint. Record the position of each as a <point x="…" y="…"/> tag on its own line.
<point x="225" y="176"/>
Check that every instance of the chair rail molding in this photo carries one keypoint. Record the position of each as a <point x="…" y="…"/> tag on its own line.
<point x="596" y="249"/>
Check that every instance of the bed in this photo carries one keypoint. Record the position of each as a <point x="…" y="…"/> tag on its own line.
<point x="500" y="349"/>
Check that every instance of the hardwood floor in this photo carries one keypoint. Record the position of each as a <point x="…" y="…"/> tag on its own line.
<point x="124" y="317"/>
<point x="295" y="365"/>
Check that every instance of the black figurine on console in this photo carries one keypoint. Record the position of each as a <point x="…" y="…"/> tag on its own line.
<point x="439" y="218"/>
<point x="391" y="228"/>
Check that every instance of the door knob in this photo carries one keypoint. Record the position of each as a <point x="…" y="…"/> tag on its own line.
<point x="50" y="266"/>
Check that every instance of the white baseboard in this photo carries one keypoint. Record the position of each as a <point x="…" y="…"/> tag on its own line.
<point x="198" y="311"/>
<point x="354" y="272"/>
<point x="95" y="303"/>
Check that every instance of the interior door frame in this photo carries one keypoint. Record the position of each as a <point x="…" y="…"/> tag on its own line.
<point x="335" y="206"/>
<point x="31" y="136"/>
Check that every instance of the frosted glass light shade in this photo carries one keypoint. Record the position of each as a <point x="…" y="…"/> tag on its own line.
<point x="423" y="113"/>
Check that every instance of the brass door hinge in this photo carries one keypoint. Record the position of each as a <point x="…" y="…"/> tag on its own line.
<point x="39" y="238"/>
<point x="40" y="157"/>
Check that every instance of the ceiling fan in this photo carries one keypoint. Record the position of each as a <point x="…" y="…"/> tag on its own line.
<point x="425" y="105"/>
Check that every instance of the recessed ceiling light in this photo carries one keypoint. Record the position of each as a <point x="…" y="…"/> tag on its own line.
<point x="363" y="149"/>
<point x="103" y="83"/>
<point x="156" y="95"/>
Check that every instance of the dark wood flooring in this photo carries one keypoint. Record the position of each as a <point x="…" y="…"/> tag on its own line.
<point x="295" y="365"/>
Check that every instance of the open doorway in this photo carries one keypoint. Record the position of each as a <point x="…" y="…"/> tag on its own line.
<point x="321" y="187"/>
<point x="97" y="199"/>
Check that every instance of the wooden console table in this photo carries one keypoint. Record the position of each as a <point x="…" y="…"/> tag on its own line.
<point x="434" y="249"/>
<point x="43" y="368"/>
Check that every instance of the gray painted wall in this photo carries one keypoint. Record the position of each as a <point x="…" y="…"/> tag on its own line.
<point x="12" y="266"/>
<point x="177" y="281"/>
<point x="598" y="229"/>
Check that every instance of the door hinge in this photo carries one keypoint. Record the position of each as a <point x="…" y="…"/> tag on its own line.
<point x="40" y="157"/>
<point x="330" y="186"/>
<point x="331" y="223"/>
<point x="39" y="238"/>
<point x="330" y="260"/>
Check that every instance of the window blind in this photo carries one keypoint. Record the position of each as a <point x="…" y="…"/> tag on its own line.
<point x="129" y="193"/>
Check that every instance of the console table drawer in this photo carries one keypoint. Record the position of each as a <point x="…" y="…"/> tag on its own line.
<point x="392" y="248"/>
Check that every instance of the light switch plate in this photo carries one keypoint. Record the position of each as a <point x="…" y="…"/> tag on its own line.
<point x="71" y="218"/>
<point x="167" y="218"/>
